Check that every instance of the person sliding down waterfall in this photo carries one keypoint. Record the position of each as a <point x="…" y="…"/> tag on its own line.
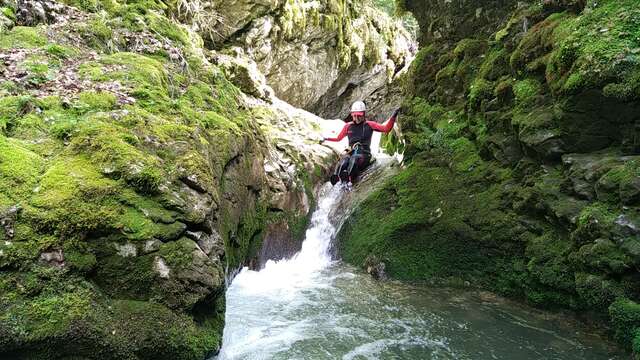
<point x="358" y="155"/>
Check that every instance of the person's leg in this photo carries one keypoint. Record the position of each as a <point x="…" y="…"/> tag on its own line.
<point x="366" y="162"/>
<point x="355" y="167"/>
<point x="335" y="177"/>
<point x="344" y="168"/>
<point x="361" y="163"/>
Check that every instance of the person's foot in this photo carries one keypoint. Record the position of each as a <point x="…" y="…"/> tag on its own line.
<point x="334" y="179"/>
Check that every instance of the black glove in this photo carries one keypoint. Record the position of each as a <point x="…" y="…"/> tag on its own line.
<point x="395" y="113"/>
<point x="322" y="141"/>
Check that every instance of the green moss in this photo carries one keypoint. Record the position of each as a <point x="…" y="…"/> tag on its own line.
<point x="80" y="261"/>
<point x="29" y="127"/>
<point x="526" y="91"/>
<point x="625" y="318"/>
<point x="60" y="51"/>
<point x="469" y="48"/>
<point x="479" y="91"/>
<point x="22" y="37"/>
<point x="494" y="65"/>
<point x="11" y="108"/>
<point x="243" y="236"/>
<point x="89" y="101"/>
<point x="169" y="29"/>
<point x="110" y="6"/>
<point x="39" y="70"/>
<point x="146" y="77"/>
<point x="137" y="322"/>
<point x="73" y="198"/>
<point x="533" y="50"/>
<point x="48" y="315"/>
<point x="19" y="170"/>
<point x="605" y="256"/>
<point x="448" y="71"/>
<point x="149" y="207"/>
<point x="595" y="50"/>
<point x="111" y="148"/>
<point x="496" y="153"/>
<point x="96" y="178"/>
<point x="8" y="12"/>
<point x="49" y="327"/>
<point x="501" y="34"/>
<point x="419" y="234"/>
<point x="178" y="254"/>
<point x="548" y="266"/>
<point x="91" y="70"/>
<point x="138" y="226"/>
<point x="618" y="184"/>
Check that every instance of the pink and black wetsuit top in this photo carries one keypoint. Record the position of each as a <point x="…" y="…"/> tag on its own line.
<point x="362" y="133"/>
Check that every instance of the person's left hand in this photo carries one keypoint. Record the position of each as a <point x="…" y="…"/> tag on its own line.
<point x="396" y="113"/>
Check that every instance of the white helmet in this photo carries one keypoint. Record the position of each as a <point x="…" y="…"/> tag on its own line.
<point x="358" y="106"/>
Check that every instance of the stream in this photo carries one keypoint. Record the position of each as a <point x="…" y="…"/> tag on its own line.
<point x="314" y="307"/>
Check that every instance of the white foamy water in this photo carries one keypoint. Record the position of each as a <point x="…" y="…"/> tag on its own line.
<point x="314" y="307"/>
<point x="287" y="277"/>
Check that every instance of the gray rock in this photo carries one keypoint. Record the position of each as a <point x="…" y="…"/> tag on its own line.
<point x="626" y="226"/>
<point x="173" y="232"/>
<point x="193" y="182"/>
<point x="185" y="284"/>
<point x="375" y="267"/>
<point x="8" y="219"/>
<point x="630" y="191"/>
<point x="545" y="142"/>
<point x="34" y="12"/>
<point x="244" y="73"/>
<point x="126" y="250"/>
<point x="53" y="258"/>
<point x="194" y="206"/>
<point x="160" y="266"/>
<point x="211" y="244"/>
<point x="151" y="246"/>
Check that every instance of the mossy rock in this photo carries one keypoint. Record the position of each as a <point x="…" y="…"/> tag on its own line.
<point x="625" y="318"/>
<point x="418" y="236"/>
<point x="22" y="37"/>
<point x="79" y="323"/>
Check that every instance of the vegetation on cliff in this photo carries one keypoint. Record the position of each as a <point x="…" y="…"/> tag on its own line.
<point x="522" y="144"/>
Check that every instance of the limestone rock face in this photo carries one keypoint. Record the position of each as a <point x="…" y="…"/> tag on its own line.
<point x="236" y="15"/>
<point x="320" y="55"/>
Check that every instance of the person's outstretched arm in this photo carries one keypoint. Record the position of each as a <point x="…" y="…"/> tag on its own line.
<point x="342" y="134"/>
<point x="387" y="126"/>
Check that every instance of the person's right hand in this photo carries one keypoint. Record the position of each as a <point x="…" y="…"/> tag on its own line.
<point x="395" y="113"/>
<point x="322" y="141"/>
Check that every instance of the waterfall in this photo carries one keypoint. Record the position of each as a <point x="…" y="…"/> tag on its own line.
<point x="281" y="281"/>
<point x="298" y="272"/>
